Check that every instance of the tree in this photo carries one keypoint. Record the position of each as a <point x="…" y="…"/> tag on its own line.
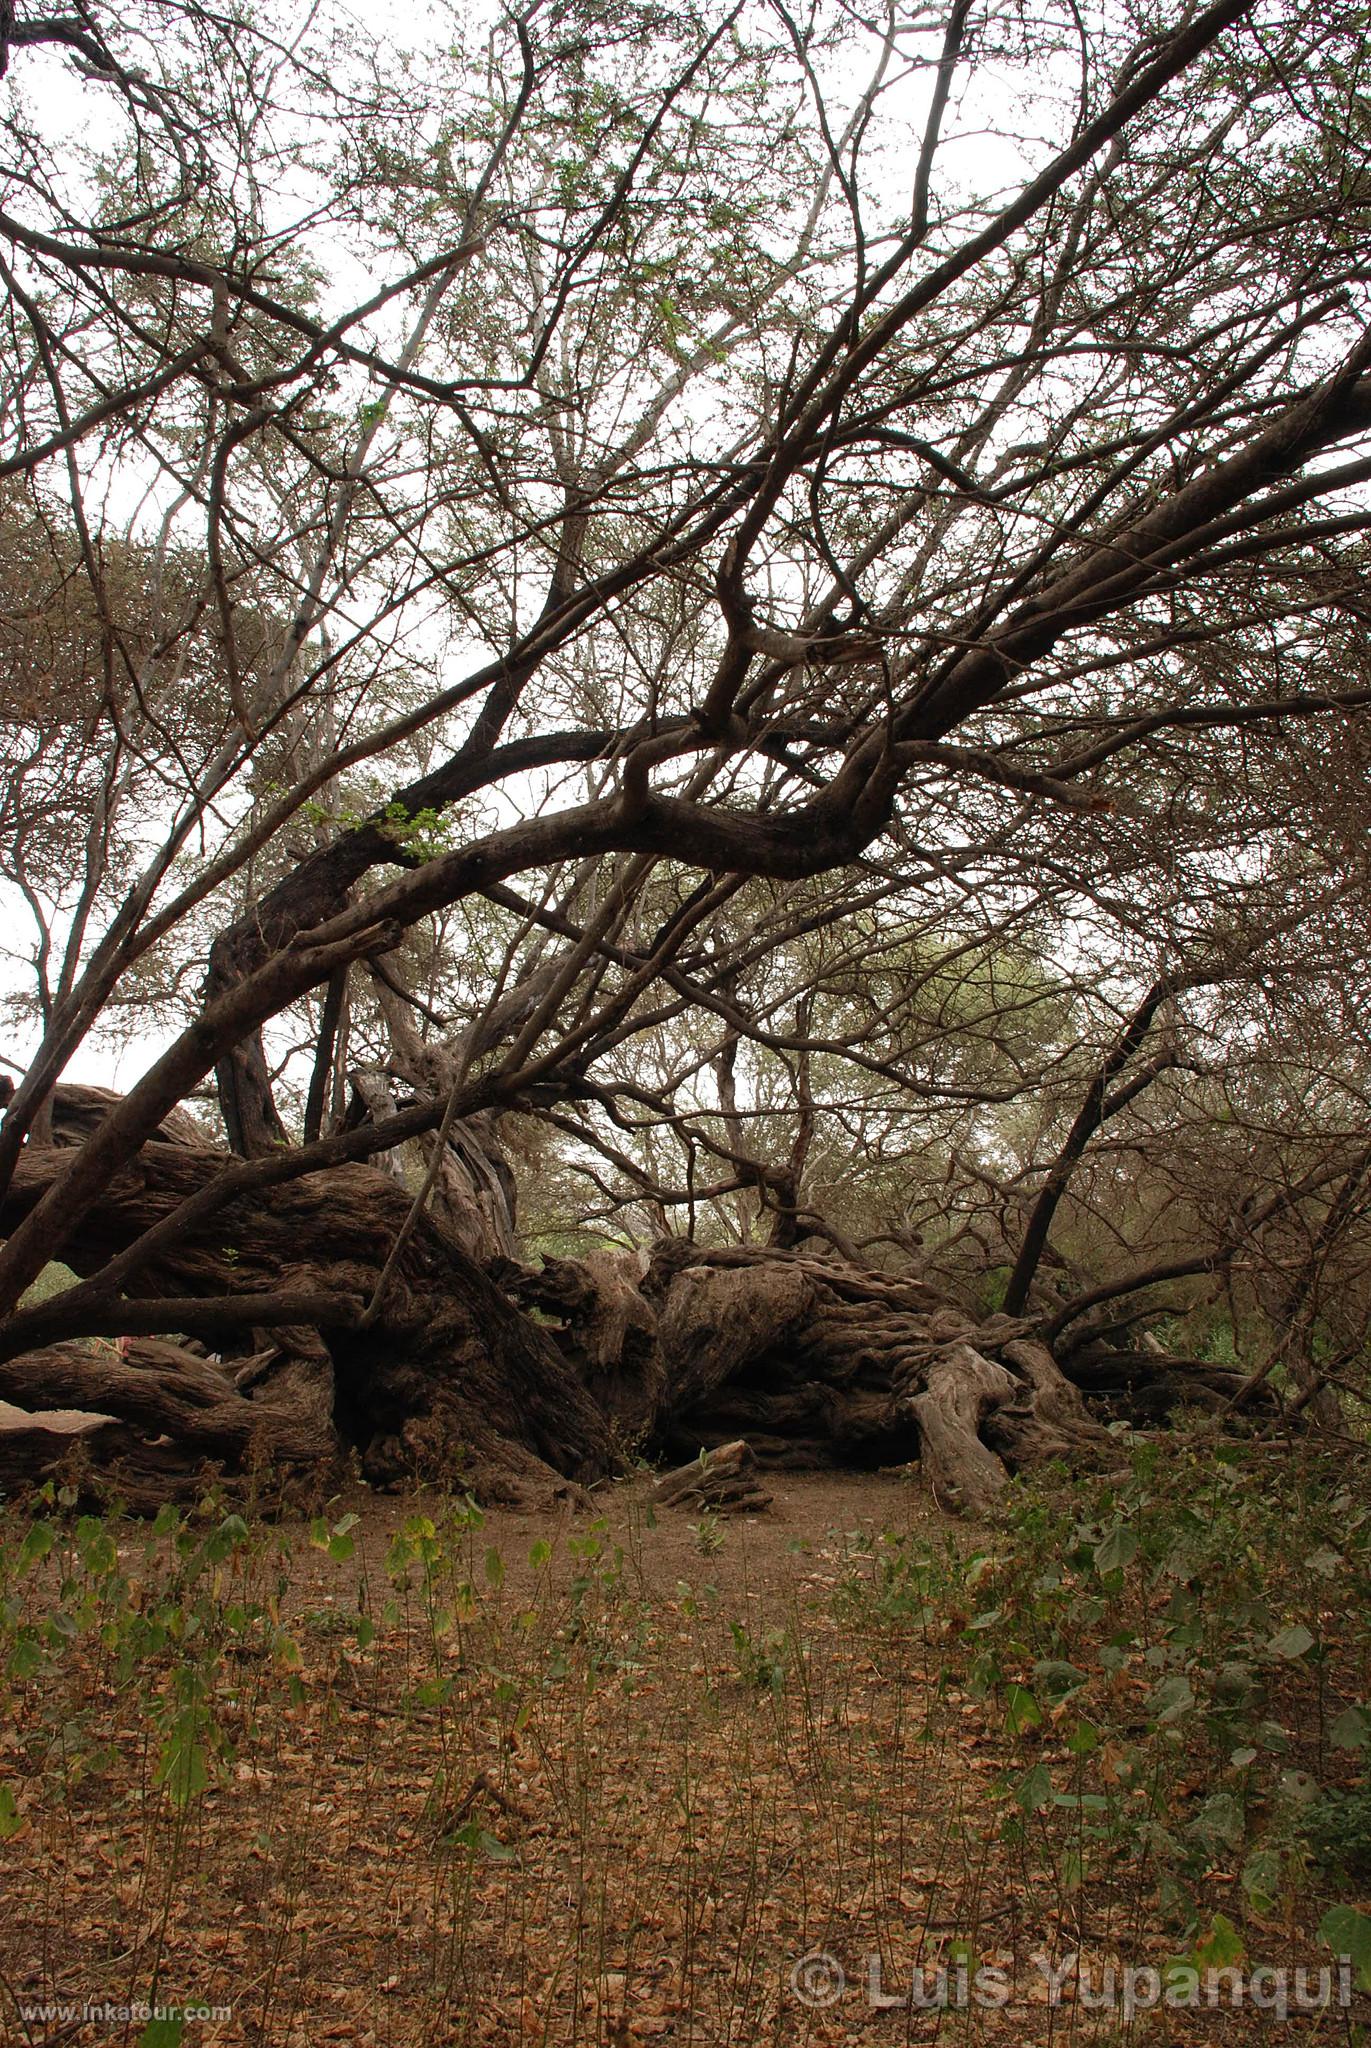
<point x="685" y="504"/>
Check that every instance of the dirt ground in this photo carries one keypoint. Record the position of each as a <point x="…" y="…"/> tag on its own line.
<point x="594" y="1776"/>
<point x="762" y="1557"/>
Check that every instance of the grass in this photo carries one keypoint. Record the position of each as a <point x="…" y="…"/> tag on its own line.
<point x="412" y="1785"/>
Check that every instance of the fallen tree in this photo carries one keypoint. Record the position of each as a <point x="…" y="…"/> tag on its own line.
<point x="763" y="737"/>
<point x="814" y="1362"/>
<point x="434" y="1374"/>
<point x="351" y="1323"/>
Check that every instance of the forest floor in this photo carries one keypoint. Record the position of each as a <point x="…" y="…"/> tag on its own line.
<point x="839" y="1772"/>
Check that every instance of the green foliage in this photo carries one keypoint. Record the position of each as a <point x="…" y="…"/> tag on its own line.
<point x="1339" y="1830"/>
<point x="422" y="835"/>
<point x="1167" y="1631"/>
<point x="763" y="1661"/>
<point x="1347" y="1930"/>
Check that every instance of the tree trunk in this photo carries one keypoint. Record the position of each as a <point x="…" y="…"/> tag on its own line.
<point x="444" y="1374"/>
<point x="449" y="1381"/>
<point x="471" y="1190"/>
<point x="815" y="1363"/>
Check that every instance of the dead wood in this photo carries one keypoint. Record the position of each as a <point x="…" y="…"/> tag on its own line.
<point x="726" y="1480"/>
<point x="818" y="1362"/>
<point x="509" y="1378"/>
<point x="449" y="1382"/>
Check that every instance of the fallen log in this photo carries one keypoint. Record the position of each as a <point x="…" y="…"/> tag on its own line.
<point x="351" y="1326"/>
<point x="102" y="1460"/>
<point x="166" y="1391"/>
<point x="447" y="1381"/>
<point x="819" y="1363"/>
<point x="1148" y="1387"/>
<point x="726" y="1480"/>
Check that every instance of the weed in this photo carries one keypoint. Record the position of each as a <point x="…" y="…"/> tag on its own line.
<point x="487" y="1781"/>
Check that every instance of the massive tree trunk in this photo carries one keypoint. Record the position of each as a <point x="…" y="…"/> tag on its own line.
<point x="465" y="1179"/>
<point x="444" y="1378"/>
<point x="352" y="1323"/>
<point x="812" y="1362"/>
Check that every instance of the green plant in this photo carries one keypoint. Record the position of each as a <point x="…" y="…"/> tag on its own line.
<point x="1338" y="1826"/>
<point x="762" y="1662"/>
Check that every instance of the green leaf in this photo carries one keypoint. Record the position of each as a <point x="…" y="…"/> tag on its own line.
<point x="1291" y="1643"/>
<point x="36" y="1544"/>
<point x="1117" y="1550"/>
<point x="1221" y="1946"/>
<point x="1220" y="1822"/>
<point x="1084" y="1739"/>
<point x="99" y="1554"/>
<point x="183" y="1766"/>
<point x="1298" y="1788"/>
<point x="1173" y="1699"/>
<point x="27" y="1659"/>
<point x="1034" y="1789"/>
<point x="1352" y="1729"/>
<point x="1021" y="1710"/>
<point x="221" y="1542"/>
<point x="481" y="1842"/>
<point x="163" y="2032"/>
<point x="495" y="1567"/>
<point x="539" y="1553"/>
<point x="1057" y="1679"/>
<point x="1261" y="1879"/>
<point x="1348" y="1933"/>
<point x="10" y="1819"/>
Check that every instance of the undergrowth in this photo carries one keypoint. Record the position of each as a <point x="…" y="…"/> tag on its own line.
<point x="281" y="1784"/>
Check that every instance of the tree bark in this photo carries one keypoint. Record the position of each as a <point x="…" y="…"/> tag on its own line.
<point x="816" y="1363"/>
<point x="961" y="1392"/>
<point x="725" y="1480"/>
<point x="450" y="1382"/>
<point x="443" y="1373"/>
